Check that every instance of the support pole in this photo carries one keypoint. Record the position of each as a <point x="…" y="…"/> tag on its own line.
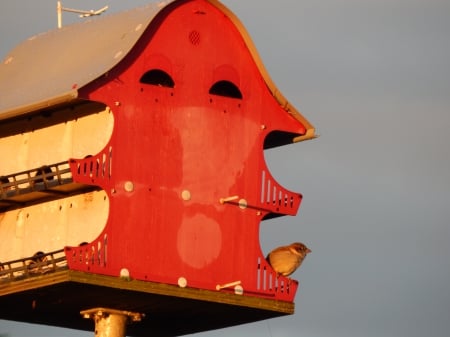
<point x="111" y="322"/>
<point x="59" y="13"/>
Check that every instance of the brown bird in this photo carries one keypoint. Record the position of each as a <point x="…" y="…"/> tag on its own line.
<point x="286" y="259"/>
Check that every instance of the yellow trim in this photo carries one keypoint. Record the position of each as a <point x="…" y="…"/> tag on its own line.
<point x="48" y="102"/>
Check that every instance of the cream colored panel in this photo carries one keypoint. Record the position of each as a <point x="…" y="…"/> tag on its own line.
<point x="48" y="145"/>
<point x="86" y="135"/>
<point x="91" y="135"/>
<point x="52" y="225"/>
<point x="14" y="153"/>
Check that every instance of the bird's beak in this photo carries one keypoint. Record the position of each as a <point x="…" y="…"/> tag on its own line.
<point x="308" y="251"/>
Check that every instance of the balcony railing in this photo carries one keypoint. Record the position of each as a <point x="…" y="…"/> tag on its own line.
<point x="40" y="184"/>
<point x="38" y="264"/>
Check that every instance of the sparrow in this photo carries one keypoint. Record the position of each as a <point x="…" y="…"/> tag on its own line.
<point x="43" y="170"/>
<point x="37" y="262"/>
<point x="4" y="180"/>
<point x="286" y="259"/>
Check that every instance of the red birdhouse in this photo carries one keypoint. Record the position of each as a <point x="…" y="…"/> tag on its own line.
<point x="183" y="170"/>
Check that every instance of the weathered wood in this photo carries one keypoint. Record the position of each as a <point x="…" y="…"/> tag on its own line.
<point x="59" y="297"/>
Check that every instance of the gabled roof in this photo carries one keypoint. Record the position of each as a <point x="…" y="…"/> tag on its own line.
<point x="49" y="68"/>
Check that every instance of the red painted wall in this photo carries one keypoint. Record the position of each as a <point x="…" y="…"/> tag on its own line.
<point x="177" y="153"/>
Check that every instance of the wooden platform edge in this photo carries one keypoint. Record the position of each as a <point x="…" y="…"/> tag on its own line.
<point x="222" y="297"/>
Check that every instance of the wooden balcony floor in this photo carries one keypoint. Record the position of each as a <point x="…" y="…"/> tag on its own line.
<point x="57" y="298"/>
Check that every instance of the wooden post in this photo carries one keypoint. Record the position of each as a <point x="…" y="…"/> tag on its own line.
<point x="111" y="322"/>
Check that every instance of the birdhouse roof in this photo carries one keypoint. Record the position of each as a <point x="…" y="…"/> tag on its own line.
<point x="48" y="69"/>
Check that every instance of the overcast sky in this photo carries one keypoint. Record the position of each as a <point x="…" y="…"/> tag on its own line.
<point x="373" y="76"/>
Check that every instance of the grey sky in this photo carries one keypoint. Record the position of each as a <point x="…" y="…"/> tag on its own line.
<point x="374" y="78"/>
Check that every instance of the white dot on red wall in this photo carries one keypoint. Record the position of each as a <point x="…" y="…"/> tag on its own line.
<point x="182" y="282"/>
<point x="186" y="195"/>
